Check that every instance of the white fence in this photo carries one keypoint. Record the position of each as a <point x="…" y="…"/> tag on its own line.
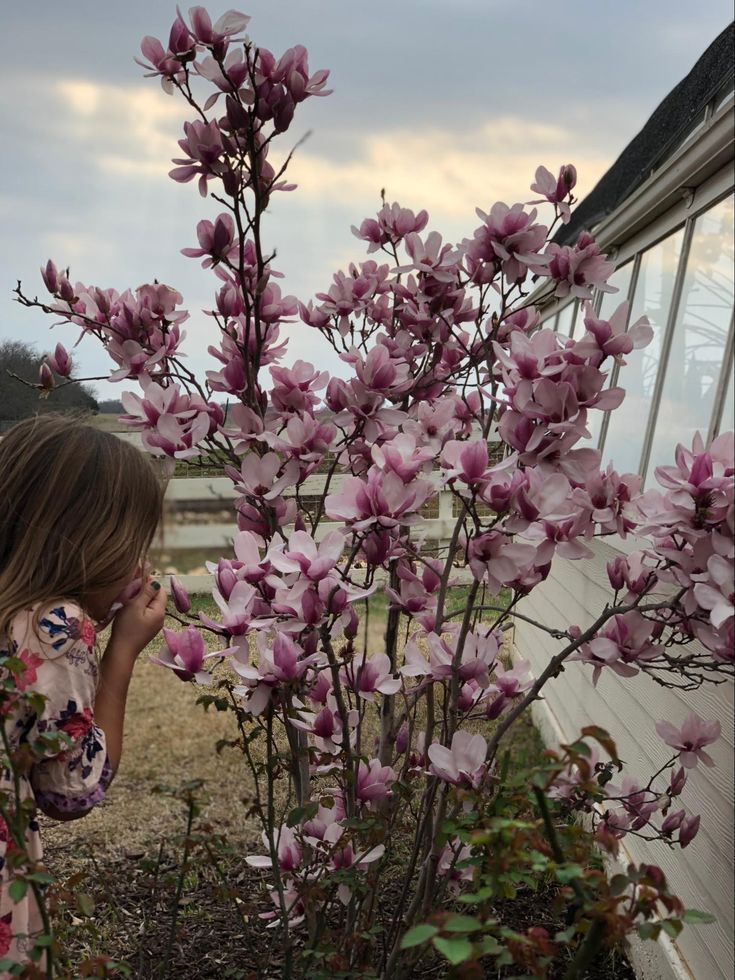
<point x="186" y="528"/>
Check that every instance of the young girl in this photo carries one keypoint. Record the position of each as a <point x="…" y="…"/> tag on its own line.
<point x="78" y="511"/>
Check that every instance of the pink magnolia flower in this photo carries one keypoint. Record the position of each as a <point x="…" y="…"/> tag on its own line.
<point x="216" y="241"/>
<point x="344" y="854"/>
<point x="579" y="270"/>
<point x="295" y="388"/>
<point x="383" y="499"/>
<point x="237" y="609"/>
<point x="204" y="150"/>
<point x="454" y="862"/>
<point x="227" y="26"/>
<point x="463" y="764"/>
<point x="378" y="371"/>
<point x="499" y="559"/>
<point x="279" y="664"/>
<point x="231" y="75"/>
<point x="373" y="781"/>
<point x="609" y="337"/>
<point x="326" y="725"/>
<point x="304" y="556"/>
<point x="640" y="804"/>
<point x="371" y="676"/>
<point x="173" y="423"/>
<point x="479" y="655"/>
<point x="467" y="461"/>
<point x="60" y="362"/>
<point x="288" y="848"/>
<point x="431" y="257"/>
<point x="402" y="456"/>
<point x="185" y="653"/>
<point x="507" y="685"/>
<point x="556" y="190"/>
<point x="690" y="739"/>
<point x="393" y="223"/>
<point x="264" y="476"/>
<point x="303" y="437"/>
<point x="166" y="64"/>
<point x="508" y="240"/>
<point x="716" y="592"/>
<point x="623" y="644"/>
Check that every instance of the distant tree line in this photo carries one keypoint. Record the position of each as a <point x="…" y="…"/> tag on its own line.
<point x="18" y="401"/>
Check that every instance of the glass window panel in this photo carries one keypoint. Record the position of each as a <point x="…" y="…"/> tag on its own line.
<point x="621" y="280"/>
<point x="652" y="297"/>
<point x="610" y="302"/>
<point x="565" y="319"/>
<point x="700" y="335"/>
<point x="727" y="422"/>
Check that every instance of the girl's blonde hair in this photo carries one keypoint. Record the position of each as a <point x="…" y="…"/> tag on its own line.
<point x="78" y="510"/>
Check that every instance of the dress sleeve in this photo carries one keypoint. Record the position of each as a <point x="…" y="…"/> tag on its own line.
<point x="74" y="780"/>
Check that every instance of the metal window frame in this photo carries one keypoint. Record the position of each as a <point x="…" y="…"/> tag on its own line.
<point x="632" y="285"/>
<point x="666" y="342"/>
<point x="718" y="406"/>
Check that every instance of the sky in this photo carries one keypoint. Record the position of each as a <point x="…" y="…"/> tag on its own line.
<point x="447" y="104"/>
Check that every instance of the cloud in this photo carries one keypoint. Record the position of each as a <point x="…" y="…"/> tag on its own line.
<point x="132" y="132"/>
<point x="447" y="172"/>
<point x="132" y="129"/>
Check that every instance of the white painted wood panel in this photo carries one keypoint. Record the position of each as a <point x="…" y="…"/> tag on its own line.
<point x="702" y="874"/>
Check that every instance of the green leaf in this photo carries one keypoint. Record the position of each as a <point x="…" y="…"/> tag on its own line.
<point x="300" y="813"/>
<point x="649" y="930"/>
<point x="457" y="950"/>
<point x="44" y="940"/>
<point x="17" y="890"/>
<point x="461" y="923"/>
<point x="569" y="872"/>
<point x="618" y="884"/>
<point x="695" y="917"/>
<point x="43" y="877"/>
<point x="672" y="927"/>
<point x="490" y="946"/>
<point x="85" y="904"/>
<point x="418" y="935"/>
<point x="482" y="895"/>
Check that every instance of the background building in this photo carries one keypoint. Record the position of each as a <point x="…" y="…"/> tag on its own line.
<point x="664" y="213"/>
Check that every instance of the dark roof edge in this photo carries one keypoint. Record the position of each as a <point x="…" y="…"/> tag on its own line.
<point x="664" y="129"/>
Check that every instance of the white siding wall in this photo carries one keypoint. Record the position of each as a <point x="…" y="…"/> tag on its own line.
<point x="702" y="874"/>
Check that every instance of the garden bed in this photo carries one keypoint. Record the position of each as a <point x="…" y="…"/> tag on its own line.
<point x="128" y="851"/>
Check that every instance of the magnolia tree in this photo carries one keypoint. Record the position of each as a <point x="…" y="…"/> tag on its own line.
<point x="381" y="779"/>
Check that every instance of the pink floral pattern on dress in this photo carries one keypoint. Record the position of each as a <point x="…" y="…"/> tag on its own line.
<point x="61" y="664"/>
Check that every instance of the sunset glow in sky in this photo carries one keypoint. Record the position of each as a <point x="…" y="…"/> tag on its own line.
<point x="447" y="105"/>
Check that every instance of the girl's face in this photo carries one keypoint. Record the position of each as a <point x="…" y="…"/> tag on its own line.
<point x="98" y="601"/>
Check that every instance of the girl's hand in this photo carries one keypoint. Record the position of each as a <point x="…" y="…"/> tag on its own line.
<point x="140" y="619"/>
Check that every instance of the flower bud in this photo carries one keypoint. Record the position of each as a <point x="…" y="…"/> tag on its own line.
<point x="45" y="377"/>
<point x="401" y="742"/>
<point x="688" y="830"/>
<point x="678" y="779"/>
<point x="673" y="822"/>
<point x="59" y="361"/>
<point x="180" y="596"/>
<point x="50" y="277"/>
<point x="616" y="572"/>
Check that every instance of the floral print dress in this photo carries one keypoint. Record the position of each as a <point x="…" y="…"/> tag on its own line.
<point x="61" y="664"/>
